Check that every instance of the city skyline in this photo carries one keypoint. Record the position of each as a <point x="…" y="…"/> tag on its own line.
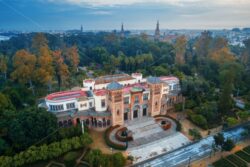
<point x="135" y="14"/>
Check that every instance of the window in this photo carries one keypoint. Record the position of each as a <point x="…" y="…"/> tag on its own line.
<point x="156" y="103"/>
<point x="118" y="97"/>
<point x="90" y="104"/>
<point x="118" y="112"/>
<point x="126" y="100"/>
<point x="157" y="90"/>
<point x="56" y="107"/>
<point x="103" y="103"/>
<point x="136" y="99"/>
<point x="145" y="96"/>
<point x="83" y="105"/>
<point x="126" y="110"/>
<point x="70" y="105"/>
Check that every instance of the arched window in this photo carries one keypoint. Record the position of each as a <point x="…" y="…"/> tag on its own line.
<point x="118" y="112"/>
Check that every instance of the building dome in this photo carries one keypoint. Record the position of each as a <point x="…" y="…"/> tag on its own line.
<point x="153" y="80"/>
<point x="114" y="86"/>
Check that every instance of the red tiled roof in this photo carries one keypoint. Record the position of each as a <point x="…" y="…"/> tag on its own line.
<point x="89" y="80"/>
<point x="112" y="78"/>
<point x="168" y="78"/>
<point x="65" y="95"/>
<point x="100" y="92"/>
<point x="126" y="89"/>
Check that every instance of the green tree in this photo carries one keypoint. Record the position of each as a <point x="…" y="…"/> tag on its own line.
<point x="195" y="133"/>
<point x="231" y="121"/>
<point x="118" y="159"/>
<point x="228" y="145"/>
<point x="244" y="115"/>
<point x="30" y="126"/>
<point x="219" y="139"/>
<point x="3" y="146"/>
<point x="199" y="120"/>
<point x="225" y="100"/>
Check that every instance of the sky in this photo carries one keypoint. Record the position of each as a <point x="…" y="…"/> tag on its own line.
<point x="41" y="15"/>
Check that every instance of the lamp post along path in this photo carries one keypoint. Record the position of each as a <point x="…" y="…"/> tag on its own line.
<point x="82" y="125"/>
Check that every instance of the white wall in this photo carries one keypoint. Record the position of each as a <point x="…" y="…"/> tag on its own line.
<point x="98" y="103"/>
<point x="64" y="102"/>
<point x="88" y="84"/>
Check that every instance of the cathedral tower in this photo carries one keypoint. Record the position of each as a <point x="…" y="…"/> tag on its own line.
<point x="157" y="32"/>
<point x="122" y="31"/>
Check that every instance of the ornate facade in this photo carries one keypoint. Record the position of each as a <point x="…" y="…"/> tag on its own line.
<point x="115" y="100"/>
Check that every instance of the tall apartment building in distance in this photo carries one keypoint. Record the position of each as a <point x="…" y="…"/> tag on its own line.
<point x="115" y="99"/>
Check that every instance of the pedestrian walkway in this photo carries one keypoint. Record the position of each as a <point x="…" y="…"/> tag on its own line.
<point x="157" y="147"/>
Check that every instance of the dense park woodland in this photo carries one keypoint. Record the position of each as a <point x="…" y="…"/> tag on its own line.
<point x="212" y="75"/>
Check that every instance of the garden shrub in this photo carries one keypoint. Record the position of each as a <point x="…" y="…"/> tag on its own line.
<point x="70" y="159"/>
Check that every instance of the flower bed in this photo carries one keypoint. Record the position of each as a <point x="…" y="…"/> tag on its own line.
<point x="166" y="126"/>
<point x="243" y="156"/>
<point x="110" y="143"/>
<point x="121" y="138"/>
<point x="178" y="124"/>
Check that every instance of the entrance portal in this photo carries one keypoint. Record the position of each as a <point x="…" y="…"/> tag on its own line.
<point x="125" y="116"/>
<point x="135" y="115"/>
<point x="144" y="112"/>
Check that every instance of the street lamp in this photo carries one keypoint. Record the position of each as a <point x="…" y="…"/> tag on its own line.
<point x="82" y="126"/>
<point x="189" y="161"/>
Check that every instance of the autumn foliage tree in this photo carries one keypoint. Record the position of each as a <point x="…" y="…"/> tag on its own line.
<point x="72" y="58"/>
<point x="3" y="66"/>
<point x="222" y="56"/>
<point x="44" y="72"/>
<point x="61" y="69"/>
<point x="180" y="49"/>
<point x="24" y="66"/>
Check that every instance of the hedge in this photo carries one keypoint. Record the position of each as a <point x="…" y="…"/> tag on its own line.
<point x="178" y="124"/>
<point x="222" y="163"/>
<point x="243" y="156"/>
<point x="237" y="161"/>
<point x="45" y="152"/>
<point x="121" y="138"/>
<point x="111" y="143"/>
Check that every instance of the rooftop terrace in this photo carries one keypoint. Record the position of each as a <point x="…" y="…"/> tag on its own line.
<point x="66" y="95"/>
<point x="113" y="78"/>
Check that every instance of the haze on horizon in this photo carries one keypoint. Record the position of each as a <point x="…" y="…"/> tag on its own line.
<point x="135" y="14"/>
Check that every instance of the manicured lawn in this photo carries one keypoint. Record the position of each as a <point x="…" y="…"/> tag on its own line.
<point x="223" y="163"/>
<point x="237" y="161"/>
<point x="243" y="156"/>
<point x="247" y="149"/>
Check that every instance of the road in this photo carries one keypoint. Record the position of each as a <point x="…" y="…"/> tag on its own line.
<point x="195" y="151"/>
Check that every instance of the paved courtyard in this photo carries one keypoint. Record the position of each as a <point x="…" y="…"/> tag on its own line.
<point x="151" y="140"/>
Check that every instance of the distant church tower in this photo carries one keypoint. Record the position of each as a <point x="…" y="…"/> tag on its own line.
<point x="122" y="32"/>
<point x="81" y="28"/>
<point x="157" y="32"/>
